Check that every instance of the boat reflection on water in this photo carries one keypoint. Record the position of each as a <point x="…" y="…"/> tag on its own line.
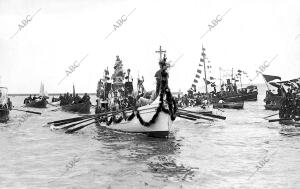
<point x="159" y="154"/>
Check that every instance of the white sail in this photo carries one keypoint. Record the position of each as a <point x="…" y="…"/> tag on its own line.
<point x="42" y="90"/>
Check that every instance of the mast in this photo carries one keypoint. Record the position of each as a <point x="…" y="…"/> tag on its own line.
<point x="220" y="77"/>
<point x="204" y="57"/>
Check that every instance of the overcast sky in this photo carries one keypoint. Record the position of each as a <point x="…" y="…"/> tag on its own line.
<point x="63" y="31"/>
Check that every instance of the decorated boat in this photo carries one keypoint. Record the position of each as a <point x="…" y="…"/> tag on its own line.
<point x="82" y="108"/>
<point x="5" y="105"/>
<point x="229" y="105"/>
<point x="154" y="119"/>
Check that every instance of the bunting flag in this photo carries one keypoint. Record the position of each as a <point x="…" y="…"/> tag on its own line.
<point x="203" y="54"/>
<point x="203" y="48"/>
<point x="199" y="71"/>
<point x="269" y="78"/>
<point x="201" y="60"/>
<point x="197" y="76"/>
<point x="193" y="87"/>
<point x="195" y="81"/>
<point x="212" y="78"/>
<point x="200" y="65"/>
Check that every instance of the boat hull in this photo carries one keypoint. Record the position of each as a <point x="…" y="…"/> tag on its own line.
<point x="4" y="115"/>
<point x="160" y="128"/>
<point x="37" y="104"/>
<point x="272" y="106"/>
<point x="83" y="108"/>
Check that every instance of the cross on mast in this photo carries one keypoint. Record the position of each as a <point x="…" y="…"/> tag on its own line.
<point x="160" y="52"/>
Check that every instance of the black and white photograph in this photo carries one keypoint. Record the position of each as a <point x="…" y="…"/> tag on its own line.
<point x="146" y="94"/>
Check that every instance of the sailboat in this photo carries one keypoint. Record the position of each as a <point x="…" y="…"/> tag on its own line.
<point x="38" y="102"/>
<point x="153" y="119"/>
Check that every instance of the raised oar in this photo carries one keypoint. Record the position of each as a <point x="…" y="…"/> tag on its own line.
<point x="27" y="111"/>
<point x="194" y="116"/>
<point x="282" y="119"/>
<point x="271" y="115"/>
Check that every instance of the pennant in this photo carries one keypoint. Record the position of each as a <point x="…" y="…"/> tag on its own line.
<point x="195" y="81"/>
<point x="197" y="76"/>
<point x="199" y="71"/>
<point x="269" y="78"/>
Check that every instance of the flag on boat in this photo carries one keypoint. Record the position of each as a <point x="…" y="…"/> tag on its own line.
<point x="269" y="78"/>
<point x="197" y="76"/>
<point x="199" y="71"/>
<point x="195" y="81"/>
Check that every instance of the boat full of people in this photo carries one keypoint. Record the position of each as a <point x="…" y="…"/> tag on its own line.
<point x="75" y="103"/>
<point x="153" y="116"/>
<point x="5" y="105"/>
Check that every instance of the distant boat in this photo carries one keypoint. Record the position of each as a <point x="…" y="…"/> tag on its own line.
<point x="229" y="105"/>
<point x="4" y="107"/>
<point x="41" y="101"/>
<point x="82" y="108"/>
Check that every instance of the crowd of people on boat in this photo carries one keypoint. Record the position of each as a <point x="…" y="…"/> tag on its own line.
<point x="33" y="98"/>
<point x="67" y="99"/>
<point x="290" y="107"/>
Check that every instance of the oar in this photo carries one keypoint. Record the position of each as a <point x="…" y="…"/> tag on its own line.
<point x="78" y="128"/>
<point x="86" y="117"/>
<point x="271" y="115"/>
<point x="74" y="124"/>
<point x="282" y="119"/>
<point x="194" y="116"/>
<point x="205" y="114"/>
<point x="39" y="113"/>
<point x="188" y="118"/>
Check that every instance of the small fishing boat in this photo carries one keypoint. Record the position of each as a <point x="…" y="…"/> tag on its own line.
<point x="82" y="108"/>
<point x="38" y="103"/>
<point x="229" y="105"/>
<point x="4" y="105"/>
<point x="154" y="119"/>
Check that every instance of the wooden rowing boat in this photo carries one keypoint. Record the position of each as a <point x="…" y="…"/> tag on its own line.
<point x="41" y="103"/>
<point x="229" y="105"/>
<point x="82" y="108"/>
<point x="161" y="128"/>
